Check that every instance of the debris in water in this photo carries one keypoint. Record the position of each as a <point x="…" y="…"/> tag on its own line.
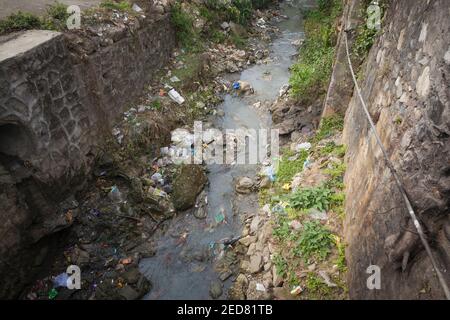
<point x="219" y="218"/>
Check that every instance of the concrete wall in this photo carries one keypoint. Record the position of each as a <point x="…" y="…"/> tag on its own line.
<point x="59" y="95"/>
<point x="406" y="86"/>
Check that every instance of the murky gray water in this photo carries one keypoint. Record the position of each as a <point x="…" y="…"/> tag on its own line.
<point x="183" y="265"/>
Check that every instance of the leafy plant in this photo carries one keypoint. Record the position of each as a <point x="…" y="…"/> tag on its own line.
<point x="281" y="265"/>
<point x="341" y="261"/>
<point x="282" y="231"/>
<point x="364" y="40"/>
<point x="336" y="171"/>
<point x="156" y="105"/>
<point x="315" y="241"/>
<point x="307" y="198"/>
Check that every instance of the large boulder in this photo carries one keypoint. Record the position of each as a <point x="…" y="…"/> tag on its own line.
<point x="187" y="185"/>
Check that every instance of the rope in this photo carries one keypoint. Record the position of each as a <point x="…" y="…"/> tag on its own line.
<point x="397" y="180"/>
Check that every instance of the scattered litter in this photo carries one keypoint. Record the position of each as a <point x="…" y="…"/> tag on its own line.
<point x="303" y="146"/>
<point x="295" y="224"/>
<point x="157" y="192"/>
<point x="270" y="172"/>
<point x="219" y="218"/>
<point x="260" y="287"/>
<point x="125" y="261"/>
<point x="136" y="8"/>
<point x="243" y="87"/>
<point x="157" y="178"/>
<point x="279" y="209"/>
<point x="52" y="294"/>
<point x="327" y="279"/>
<point x="118" y="135"/>
<point x="229" y="241"/>
<point x="283" y="90"/>
<point x="175" y="79"/>
<point x="307" y="164"/>
<point x="266" y="208"/>
<point x="115" y="195"/>
<point x="61" y="280"/>
<point x="175" y="96"/>
<point x="287" y="186"/>
<point x="317" y="214"/>
<point x="296" y="291"/>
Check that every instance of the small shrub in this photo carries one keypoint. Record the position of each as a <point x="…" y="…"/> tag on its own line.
<point x="19" y="21"/>
<point x="307" y="198"/>
<point x="315" y="241"/>
<point x="184" y="27"/>
<point x="56" y="18"/>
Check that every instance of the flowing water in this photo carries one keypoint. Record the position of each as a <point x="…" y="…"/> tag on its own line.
<point x="183" y="265"/>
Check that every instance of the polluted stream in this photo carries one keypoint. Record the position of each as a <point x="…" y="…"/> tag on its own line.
<point x="187" y="251"/>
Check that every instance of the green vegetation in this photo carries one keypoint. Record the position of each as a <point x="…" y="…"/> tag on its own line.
<point x="56" y="18"/>
<point x="282" y="231"/>
<point x="19" y="21"/>
<point x="308" y="198"/>
<point x="214" y="12"/>
<point x="185" y="31"/>
<point x="287" y="169"/>
<point x="328" y="127"/>
<point x="341" y="261"/>
<point x="310" y="75"/>
<point x="156" y="105"/>
<point x="116" y="5"/>
<point x="316" y="288"/>
<point x="315" y="241"/>
<point x="281" y="265"/>
<point x="365" y="37"/>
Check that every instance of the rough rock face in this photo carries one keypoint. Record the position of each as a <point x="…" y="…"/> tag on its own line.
<point x="59" y="94"/>
<point x="406" y="86"/>
<point x="189" y="183"/>
<point x="340" y="89"/>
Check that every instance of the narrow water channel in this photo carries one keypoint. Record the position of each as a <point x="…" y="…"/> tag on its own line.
<point x="184" y="269"/>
